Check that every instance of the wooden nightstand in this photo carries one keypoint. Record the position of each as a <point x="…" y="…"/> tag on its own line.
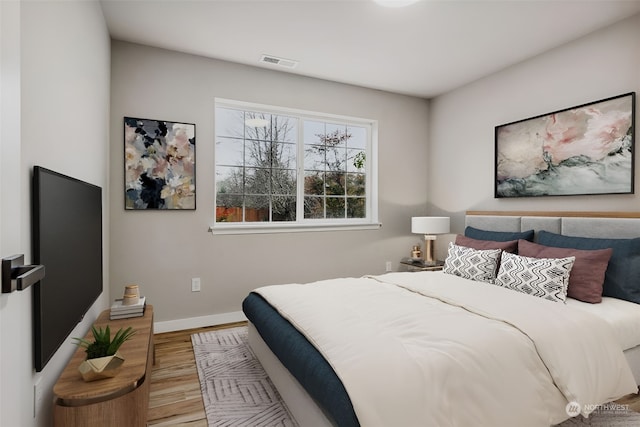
<point x="121" y="401"/>
<point x="419" y="265"/>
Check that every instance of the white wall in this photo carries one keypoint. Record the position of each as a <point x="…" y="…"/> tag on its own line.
<point x="10" y="315"/>
<point x="63" y="125"/>
<point x="461" y="157"/>
<point x="161" y="251"/>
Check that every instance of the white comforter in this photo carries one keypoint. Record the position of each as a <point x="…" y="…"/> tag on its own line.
<point x="432" y="349"/>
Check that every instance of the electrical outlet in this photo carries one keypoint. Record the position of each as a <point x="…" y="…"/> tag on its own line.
<point x="195" y="284"/>
<point x="37" y="396"/>
<point x="388" y="266"/>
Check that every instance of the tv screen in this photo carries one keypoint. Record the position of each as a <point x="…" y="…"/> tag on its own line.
<point x="67" y="240"/>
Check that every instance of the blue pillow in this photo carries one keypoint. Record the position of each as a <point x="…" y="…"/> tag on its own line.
<point x="498" y="236"/>
<point x="622" y="278"/>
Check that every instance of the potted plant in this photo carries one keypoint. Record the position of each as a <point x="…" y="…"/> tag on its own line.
<point x="103" y="359"/>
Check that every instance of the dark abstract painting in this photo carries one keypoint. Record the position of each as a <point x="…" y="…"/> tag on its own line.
<point x="159" y="164"/>
<point x="586" y="149"/>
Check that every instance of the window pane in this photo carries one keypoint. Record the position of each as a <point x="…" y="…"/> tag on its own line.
<point x="256" y="153"/>
<point x="283" y="208"/>
<point x="229" y="122"/>
<point x="229" y="180"/>
<point x="335" y="207"/>
<point x="313" y="132"/>
<point x="314" y="158"/>
<point x="314" y="183"/>
<point x="335" y="184"/>
<point x="336" y="159"/>
<point x="257" y="181"/>
<point x="358" y="137"/>
<point x="285" y="156"/>
<point x="314" y="207"/>
<point x="356" y="160"/>
<point x="228" y="208"/>
<point x="283" y="181"/>
<point x="257" y="125"/>
<point x="229" y="151"/>
<point x="285" y="129"/>
<point x="356" y="184"/>
<point x="356" y="207"/>
<point x="256" y="208"/>
<point x="336" y="135"/>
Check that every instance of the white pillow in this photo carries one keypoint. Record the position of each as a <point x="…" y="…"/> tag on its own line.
<point x="546" y="278"/>
<point x="474" y="264"/>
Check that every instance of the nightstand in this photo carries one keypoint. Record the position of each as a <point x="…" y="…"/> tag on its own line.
<point x="419" y="265"/>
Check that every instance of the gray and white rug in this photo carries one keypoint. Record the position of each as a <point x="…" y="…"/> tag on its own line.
<point x="235" y="388"/>
<point x="237" y="391"/>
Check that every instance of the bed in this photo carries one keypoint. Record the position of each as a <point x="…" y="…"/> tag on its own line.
<point x="434" y="348"/>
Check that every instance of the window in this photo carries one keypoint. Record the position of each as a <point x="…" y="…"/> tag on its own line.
<point x="283" y="168"/>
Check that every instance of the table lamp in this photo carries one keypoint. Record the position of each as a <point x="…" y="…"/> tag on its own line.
<point x="429" y="226"/>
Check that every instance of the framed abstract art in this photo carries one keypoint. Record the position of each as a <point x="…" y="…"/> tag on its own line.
<point x="587" y="149"/>
<point x="160" y="160"/>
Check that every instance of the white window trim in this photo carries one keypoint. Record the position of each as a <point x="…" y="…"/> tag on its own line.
<point x="293" y="228"/>
<point x="370" y="223"/>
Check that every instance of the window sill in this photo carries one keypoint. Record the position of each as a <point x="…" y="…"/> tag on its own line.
<point x="293" y="228"/>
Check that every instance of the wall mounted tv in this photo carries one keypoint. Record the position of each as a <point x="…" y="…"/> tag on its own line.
<point x="67" y="240"/>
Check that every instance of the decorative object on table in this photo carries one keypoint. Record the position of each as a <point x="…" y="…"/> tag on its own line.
<point x="159" y="164"/>
<point x="416" y="253"/>
<point x="588" y="149"/>
<point x="119" y="310"/>
<point x="430" y="226"/>
<point x="131" y="295"/>
<point x="103" y="359"/>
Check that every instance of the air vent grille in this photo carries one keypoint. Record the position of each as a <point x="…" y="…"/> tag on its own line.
<point x="281" y="62"/>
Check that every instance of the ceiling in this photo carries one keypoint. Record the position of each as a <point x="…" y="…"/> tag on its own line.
<point x="424" y="49"/>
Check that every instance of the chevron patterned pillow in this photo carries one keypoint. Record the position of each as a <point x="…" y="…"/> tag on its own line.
<point x="474" y="264"/>
<point x="546" y="278"/>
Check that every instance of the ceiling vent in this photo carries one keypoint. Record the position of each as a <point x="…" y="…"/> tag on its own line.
<point x="281" y="62"/>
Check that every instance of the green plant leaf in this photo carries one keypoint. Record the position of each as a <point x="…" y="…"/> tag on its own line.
<point x="120" y="337"/>
<point x="102" y="344"/>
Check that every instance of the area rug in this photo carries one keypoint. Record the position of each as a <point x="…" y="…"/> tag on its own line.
<point x="237" y="391"/>
<point x="235" y="388"/>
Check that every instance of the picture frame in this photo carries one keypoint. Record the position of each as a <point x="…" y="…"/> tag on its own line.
<point x="160" y="164"/>
<point x="583" y="150"/>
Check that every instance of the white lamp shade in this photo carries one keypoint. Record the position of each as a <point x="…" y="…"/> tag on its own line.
<point x="430" y="224"/>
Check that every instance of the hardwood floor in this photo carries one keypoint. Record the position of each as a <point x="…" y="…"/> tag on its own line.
<point x="175" y="388"/>
<point x="175" y="398"/>
<point x="633" y="400"/>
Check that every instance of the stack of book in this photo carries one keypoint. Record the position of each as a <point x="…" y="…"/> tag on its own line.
<point x="121" y="311"/>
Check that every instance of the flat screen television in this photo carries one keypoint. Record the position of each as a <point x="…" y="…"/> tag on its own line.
<point x="67" y="240"/>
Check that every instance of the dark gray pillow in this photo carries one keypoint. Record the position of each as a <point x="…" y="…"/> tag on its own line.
<point x="622" y="278"/>
<point x="498" y="236"/>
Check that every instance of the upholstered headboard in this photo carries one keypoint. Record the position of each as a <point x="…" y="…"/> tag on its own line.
<point x="615" y="225"/>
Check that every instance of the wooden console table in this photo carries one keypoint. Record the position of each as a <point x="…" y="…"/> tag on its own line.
<point x="120" y="401"/>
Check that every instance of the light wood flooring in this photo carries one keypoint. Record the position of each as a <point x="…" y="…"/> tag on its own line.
<point x="175" y="389"/>
<point x="175" y="398"/>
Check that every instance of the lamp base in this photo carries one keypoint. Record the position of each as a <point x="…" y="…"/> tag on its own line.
<point x="429" y="250"/>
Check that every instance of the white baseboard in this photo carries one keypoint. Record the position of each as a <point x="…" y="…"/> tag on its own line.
<point x="198" y="322"/>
